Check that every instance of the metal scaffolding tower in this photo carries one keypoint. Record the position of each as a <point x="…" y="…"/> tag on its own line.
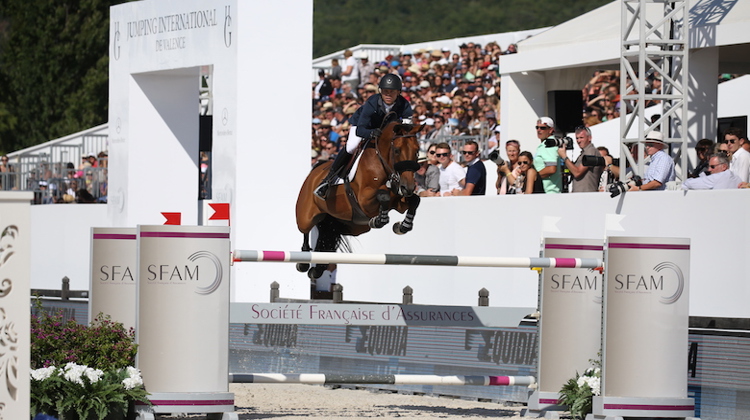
<point x="654" y="49"/>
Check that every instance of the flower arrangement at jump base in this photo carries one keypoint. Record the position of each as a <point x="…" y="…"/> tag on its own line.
<point x="578" y="393"/>
<point x="81" y="372"/>
<point x="80" y="392"/>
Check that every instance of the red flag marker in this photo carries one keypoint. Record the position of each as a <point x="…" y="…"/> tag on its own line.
<point x="172" y="218"/>
<point x="221" y="211"/>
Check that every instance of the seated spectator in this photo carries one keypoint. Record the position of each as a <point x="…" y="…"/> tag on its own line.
<point x="661" y="169"/>
<point x="476" y="174"/>
<point x="720" y="177"/>
<point x="451" y="173"/>
<point x="702" y="150"/>
<point x="740" y="164"/>
<point x="427" y="177"/>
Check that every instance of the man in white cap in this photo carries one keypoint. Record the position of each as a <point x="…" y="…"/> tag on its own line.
<point x="661" y="169"/>
<point x="546" y="160"/>
<point x="366" y="68"/>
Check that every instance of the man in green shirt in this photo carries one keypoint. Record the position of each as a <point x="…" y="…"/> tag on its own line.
<point x="546" y="159"/>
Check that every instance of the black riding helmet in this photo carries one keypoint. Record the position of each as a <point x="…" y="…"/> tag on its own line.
<point x="390" y="81"/>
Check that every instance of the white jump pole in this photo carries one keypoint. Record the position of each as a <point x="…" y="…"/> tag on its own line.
<point x="407" y="259"/>
<point x="330" y="379"/>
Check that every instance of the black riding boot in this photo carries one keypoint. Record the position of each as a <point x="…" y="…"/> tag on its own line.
<point x="341" y="160"/>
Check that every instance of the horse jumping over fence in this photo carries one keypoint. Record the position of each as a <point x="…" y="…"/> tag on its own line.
<point x="384" y="181"/>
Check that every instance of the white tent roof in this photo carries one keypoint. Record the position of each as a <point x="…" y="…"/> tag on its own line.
<point x="594" y="38"/>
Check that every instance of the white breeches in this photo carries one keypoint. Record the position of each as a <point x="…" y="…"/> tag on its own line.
<point x="353" y="141"/>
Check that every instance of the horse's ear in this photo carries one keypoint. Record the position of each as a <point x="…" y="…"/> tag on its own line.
<point x="420" y="127"/>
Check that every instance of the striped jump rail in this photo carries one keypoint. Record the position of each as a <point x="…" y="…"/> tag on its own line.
<point x="407" y="259"/>
<point x="333" y="379"/>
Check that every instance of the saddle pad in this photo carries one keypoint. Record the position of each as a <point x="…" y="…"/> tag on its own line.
<point x="352" y="172"/>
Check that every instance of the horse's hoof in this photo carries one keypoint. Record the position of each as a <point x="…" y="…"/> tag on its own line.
<point x="315" y="272"/>
<point x="303" y="267"/>
<point x="398" y="229"/>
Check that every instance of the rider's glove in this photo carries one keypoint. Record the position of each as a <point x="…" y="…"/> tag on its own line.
<point x="375" y="133"/>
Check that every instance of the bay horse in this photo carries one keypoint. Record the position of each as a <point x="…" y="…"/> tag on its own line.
<point x="384" y="181"/>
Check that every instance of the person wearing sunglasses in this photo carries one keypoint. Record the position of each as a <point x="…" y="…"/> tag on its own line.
<point x="720" y="178"/>
<point x="528" y="180"/>
<point x="661" y="169"/>
<point x="451" y="173"/>
<point x="735" y="138"/>
<point x="476" y="174"/>
<point x="546" y="160"/>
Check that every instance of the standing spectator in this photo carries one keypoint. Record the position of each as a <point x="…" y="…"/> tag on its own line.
<point x="323" y="88"/>
<point x="585" y="179"/>
<point x="702" y="152"/>
<point x="476" y="174"/>
<point x="546" y="160"/>
<point x="350" y="74"/>
<point x="661" y="169"/>
<point x="427" y="177"/>
<point x="528" y="180"/>
<point x="720" y="177"/>
<point x="366" y="68"/>
<point x="335" y="69"/>
<point x="508" y="171"/>
<point x="451" y="173"/>
<point x="6" y="171"/>
<point x="735" y="137"/>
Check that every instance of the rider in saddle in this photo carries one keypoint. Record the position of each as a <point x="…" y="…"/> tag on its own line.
<point x="366" y="123"/>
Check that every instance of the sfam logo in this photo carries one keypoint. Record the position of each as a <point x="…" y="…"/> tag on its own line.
<point x="655" y="282"/>
<point x="177" y="274"/>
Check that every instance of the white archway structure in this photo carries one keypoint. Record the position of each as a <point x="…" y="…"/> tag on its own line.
<point x="158" y="50"/>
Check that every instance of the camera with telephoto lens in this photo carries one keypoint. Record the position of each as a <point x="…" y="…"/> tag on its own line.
<point x="619" y="187"/>
<point x="495" y="157"/>
<point x="566" y="142"/>
<point x="593" y="161"/>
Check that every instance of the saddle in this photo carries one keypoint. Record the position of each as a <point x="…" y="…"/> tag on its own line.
<point x="347" y="176"/>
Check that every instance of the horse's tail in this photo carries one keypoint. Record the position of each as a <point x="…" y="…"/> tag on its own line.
<point x="331" y="236"/>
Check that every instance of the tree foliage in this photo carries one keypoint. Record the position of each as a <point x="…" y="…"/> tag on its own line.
<point x="338" y="24"/>
<point x="53" y="68"/>
<point x="54" y="53"/>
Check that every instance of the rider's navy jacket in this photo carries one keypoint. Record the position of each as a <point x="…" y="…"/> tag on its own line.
<point x="370" y="115"/>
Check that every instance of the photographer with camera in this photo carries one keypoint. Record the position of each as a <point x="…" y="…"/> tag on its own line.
<point x="585" y="178"/>
<point x="661" y="169"/>
<point x="546" y="160"/>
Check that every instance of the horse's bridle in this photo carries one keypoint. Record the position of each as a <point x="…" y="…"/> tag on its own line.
<point x="394" y="172"/>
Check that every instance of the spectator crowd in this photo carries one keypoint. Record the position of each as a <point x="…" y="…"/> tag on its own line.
<point x="57" y="182"/>
<point x="456" y="95"/>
